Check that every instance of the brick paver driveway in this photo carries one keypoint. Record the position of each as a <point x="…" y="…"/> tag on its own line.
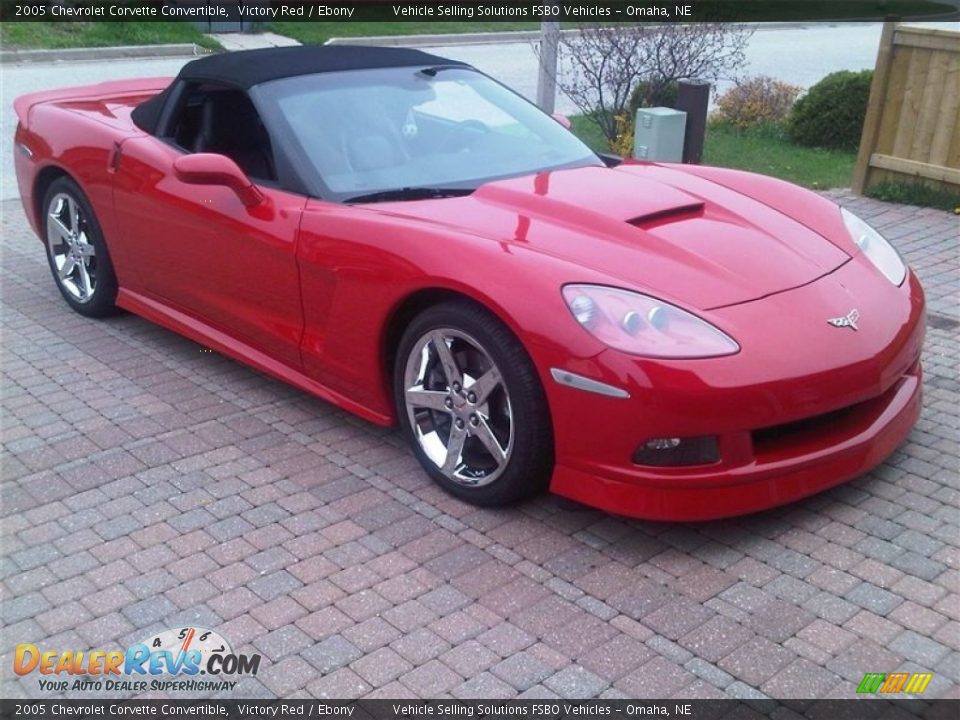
<point x="148" y="484"/>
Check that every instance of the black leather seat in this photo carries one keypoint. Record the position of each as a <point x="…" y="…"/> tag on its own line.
<point x="230" y="125"/>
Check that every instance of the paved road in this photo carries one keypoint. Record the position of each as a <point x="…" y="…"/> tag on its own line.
<point x="148" y="485"/>
<point x="800" y="55"/>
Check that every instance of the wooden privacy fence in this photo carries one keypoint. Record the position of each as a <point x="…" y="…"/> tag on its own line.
<point x="912" y="129"/>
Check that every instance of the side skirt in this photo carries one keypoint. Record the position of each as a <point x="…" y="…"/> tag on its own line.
<point x="200" y="332"/>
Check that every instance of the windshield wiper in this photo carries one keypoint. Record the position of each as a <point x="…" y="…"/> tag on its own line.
<point x="410" y="193"/>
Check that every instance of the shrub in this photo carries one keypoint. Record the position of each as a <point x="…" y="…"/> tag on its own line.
<point x="759" y="101"/>
<point x="914" y="193"/>
<point x="622" y="145"/>
<point x="647" y="94"/>
<point x="831" y="113"/>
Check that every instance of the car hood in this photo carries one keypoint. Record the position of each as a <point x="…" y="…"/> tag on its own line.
<point x="649" y="227"/>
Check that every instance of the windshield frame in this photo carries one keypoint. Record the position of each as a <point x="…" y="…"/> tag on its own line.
<point x="265" y="98"/>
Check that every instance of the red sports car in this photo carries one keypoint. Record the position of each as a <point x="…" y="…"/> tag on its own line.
<point x="402" y="236"/>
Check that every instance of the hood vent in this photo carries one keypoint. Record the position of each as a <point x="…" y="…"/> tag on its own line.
<point x="651" y="220"/>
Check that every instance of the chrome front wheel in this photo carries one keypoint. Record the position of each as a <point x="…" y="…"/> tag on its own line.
<point x="471" y="404"/>
<point x="458" y="407"/>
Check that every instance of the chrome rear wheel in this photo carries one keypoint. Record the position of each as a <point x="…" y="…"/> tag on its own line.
<point x="71" y="252"/>
<point x="76" y="250"/>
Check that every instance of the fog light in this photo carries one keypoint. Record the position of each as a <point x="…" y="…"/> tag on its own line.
<point x="674" y="452"/>
<point x="662" y="443"/>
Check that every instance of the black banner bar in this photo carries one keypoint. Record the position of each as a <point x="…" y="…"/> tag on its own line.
<point x="569" y="11"/>
<point x="861" y="709"/>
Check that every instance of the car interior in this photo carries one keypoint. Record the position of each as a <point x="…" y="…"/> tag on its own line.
<point x="219" y="120"/>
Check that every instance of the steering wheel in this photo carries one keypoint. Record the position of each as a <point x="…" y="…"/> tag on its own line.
<point x="462" y="135"/>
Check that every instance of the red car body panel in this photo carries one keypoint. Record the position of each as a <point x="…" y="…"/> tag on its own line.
<point x="310" y="291"/>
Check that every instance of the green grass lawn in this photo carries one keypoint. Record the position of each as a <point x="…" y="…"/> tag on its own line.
<point x="770" y="153"/>
<point x="48" y="35"/>
<point x="761" y="151"/>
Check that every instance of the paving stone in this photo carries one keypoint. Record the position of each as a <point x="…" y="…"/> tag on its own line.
<point x="484" y="686"/>
<point x="287" y="676"/>
<point x="709" y="672"/>
<point x="420" y="645"/>
<point x="344" y="684"/>
<point x="370" y="634"/>
<point x="873" y="598"/>
<point x="716" y="638"/>
<point x="918" y="648"/>
<point x="284" y="641"/>
<point x="522" y="671"/>
<point x="505" y="639"/>
<point x="579" y="637"/>
<point x="849" y="664"/>
<point x="831" y="608"/>
<point x="575" y="682"/>
<point x="274" y="585"/>
<point x="800" y="679"/>
<point x="616" y="657"/>
<point x="677" y="618"/>
<point x="21" y="608"/>
<point x="381" y="666"/>
<point x="756" y="660"/>
<point x="655" y="679"/>
<point x="168" y="489"/>
<point x="669" y="649"/>
<point x="779" y="620"/>
<point x="470" y="658"/>
<point x="431" y="679"/>
<point x="149" y="611"/>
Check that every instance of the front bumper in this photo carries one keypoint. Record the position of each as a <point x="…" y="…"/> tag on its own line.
<point x="803" y="407"/>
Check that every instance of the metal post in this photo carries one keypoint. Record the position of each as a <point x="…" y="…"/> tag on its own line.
<point x="547" y="80"/>
<point x="693" y="97"/>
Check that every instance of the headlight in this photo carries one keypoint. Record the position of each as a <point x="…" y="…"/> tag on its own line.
<point x="875" y="247"/>
<point x="642" y="325"/>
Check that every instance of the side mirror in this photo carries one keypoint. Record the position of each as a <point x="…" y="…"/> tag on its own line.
<point x="213" y="169"/>
<point x="563" y="120"/>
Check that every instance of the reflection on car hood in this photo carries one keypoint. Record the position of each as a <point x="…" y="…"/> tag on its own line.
<point x="649" y="227"/>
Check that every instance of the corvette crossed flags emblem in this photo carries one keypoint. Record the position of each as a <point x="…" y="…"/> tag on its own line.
<point x="849" y="320"/>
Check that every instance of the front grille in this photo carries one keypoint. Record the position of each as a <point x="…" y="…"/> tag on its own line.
<point x="800" y="428"/>
<point x="834" y="426"/>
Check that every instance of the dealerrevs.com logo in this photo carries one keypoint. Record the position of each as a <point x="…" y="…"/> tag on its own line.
<point x="171" y="661"/>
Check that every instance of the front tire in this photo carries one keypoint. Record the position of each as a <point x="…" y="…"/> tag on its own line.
<point x="471" y="405"/>
<point x="76" y="250"/>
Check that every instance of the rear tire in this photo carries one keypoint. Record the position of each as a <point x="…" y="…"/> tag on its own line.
<point x="76" y="251"/>
<point x="471" y="405"/>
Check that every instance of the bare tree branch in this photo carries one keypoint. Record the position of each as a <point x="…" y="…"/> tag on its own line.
<point x="601" y="65"/>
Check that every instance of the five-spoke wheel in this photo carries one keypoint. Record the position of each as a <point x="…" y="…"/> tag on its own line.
<point x="472" y="405"/>
<point x="458" y="407"/>
<point x="76" y="250"/>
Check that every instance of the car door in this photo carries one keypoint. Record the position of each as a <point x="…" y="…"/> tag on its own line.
<point x="200" y="250"/>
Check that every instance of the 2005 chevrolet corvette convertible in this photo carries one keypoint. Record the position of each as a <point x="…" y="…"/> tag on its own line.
<point x="400" y="235"/>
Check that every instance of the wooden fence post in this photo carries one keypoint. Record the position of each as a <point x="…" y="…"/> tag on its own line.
<point x="878" y="92"/>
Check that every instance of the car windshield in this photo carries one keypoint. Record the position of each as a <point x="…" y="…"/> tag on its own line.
<point x="390" y="133"/>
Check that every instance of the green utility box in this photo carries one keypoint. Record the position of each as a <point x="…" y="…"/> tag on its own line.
<point x="658" y="134"/>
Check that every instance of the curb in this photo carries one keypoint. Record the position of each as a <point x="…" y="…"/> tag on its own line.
<point x="485" y="38"/>
<point x="100" y="53"/>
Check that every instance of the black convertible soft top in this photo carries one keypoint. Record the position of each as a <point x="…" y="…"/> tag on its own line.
<point x="247" y="68"/>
